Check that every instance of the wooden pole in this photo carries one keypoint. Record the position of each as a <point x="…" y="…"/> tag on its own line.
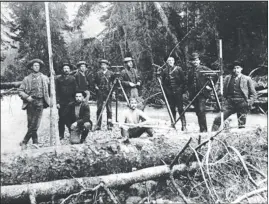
<point x="221" y="83"/>
<point x="54" y="134"/>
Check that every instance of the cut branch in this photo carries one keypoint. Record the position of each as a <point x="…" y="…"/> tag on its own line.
<point x="238" y="200"/>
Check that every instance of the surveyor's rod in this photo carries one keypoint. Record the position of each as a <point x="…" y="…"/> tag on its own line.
<point x="117" y="95"/>
<point x="166" y="102"/>
<point x="221" y="84"/>
<point x="53" y="111"/>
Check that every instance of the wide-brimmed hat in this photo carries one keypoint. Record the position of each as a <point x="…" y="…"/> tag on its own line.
<point x="237" y="63"/>
<point x="104" y="61"/>
<point x="194" y="56"/>
<point x="30" y="63"/>
<point x="82" y="62"/>
<point x="127" y="59"/>
<point x="66" y="64"/>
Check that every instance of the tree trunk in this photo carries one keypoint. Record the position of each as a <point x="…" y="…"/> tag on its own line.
<point x="95" y="158"/>
<point x="45" y="190"/>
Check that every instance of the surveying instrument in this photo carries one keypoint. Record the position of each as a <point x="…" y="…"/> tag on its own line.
<point x="116" y="85"/>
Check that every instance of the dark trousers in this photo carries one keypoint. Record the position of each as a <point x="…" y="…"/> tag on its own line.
<point x="231" y="106"/>
<point x="79" y="133"/>
<point x="62" y="120"/>
<point x="200" y="110"/>
<point x="101" y="97"/>
<point x="175" y="100"/>
<point x="136" y="132"/>
<point x="34" y="112"/>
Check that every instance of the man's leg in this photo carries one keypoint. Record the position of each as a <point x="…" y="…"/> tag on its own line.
<point x="28" y="135"/>
<point x="87" y="127"/>
<point x="109" y="114"/>
<point x="61" y="122"/>
<point x="136" y="132"/>
<point x="200" y="112"/>
<point x="179" y="102"/>
<point x="242" y="111"/>
<point x="172" y="104"/>
<point x="100" y="102"/>
<point x="228" y="110"/>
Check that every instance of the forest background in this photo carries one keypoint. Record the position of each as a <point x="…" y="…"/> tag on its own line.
<point x="146" y="31"/>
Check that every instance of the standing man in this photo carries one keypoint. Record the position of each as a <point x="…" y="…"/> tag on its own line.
<point x="34" y="91"/>
<point x="135" y="116"/>
<point x="103" y="83"/>
<point x="174" y="82"/>
<point x="196" y="81"/>
<point x="77" y="114"/>
<point x="130" y="79"/>
<point x="239" y="92"/>
<point x="81" y="79"/>
<point x="66" y="87"/>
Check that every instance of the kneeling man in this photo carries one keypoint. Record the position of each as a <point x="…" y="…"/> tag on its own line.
<point x="77" y="115"/>
<point x="135" y="116"/>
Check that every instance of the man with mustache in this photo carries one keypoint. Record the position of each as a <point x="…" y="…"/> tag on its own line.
<point x="239" y="92"/>
<point x="66" y="87"/>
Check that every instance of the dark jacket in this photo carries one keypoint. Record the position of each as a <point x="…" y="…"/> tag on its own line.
<point x="246" y="86"/>
<point x="81" y="81"/>
<point x="104" y="81"/>
<point x="175" y="83"/>
<point x="84" y="114"/>
<point x="193" y="87"/>
<point x="90" y="79"/>
<point x="129" y="75"/>
<point x="66" y="87"/>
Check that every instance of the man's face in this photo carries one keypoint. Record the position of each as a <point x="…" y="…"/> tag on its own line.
<point x="36" y="67"/>
<point x="66" y="70"/>
<point x="82" y="68"/>
<point x="171" y="61"/>
<point x="196" y="62"/>
<point x="104" y="66"/>
<point x="79" y="97"/>
<point x="133" y="104"/>
<point x="129" y="64"/>
<point x="237" y="70"/>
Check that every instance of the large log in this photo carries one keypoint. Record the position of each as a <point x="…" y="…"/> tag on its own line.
<point x="45" y="190"/>
<point x="9" y="85"/>
<point x="94" y="158"/>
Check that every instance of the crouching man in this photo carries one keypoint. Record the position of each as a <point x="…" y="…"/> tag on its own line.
<point x="134" y="116"/>
<point x="77" y="115"/>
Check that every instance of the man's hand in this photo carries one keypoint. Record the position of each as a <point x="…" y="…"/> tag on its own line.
<point x="208" y="88"/>
<point x="131" y="84"/>
<point x="138" y="83"/>
<point x="58" y="106"/>
<point x="30" y="99"/>
<point x="74" y="125"/>
<point x="113" y="96"/>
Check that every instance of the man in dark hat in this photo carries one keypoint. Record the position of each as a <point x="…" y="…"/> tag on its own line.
<point x="77" y="115"/>
<point x="196" y="81"/>
<point x="174" y="82"/>
<point x="103" y="83"/>
<point x="239" y="92"/>
<point x="66" y="87"/>
<point x="34" y="91"/>
<point x="130" y="78"/>
<point x="81" y="78"/>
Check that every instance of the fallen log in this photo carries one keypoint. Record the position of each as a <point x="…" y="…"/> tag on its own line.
<point x="96" y="158"/>
<point x="45" y="190"/>
<point x="9" y="85"/>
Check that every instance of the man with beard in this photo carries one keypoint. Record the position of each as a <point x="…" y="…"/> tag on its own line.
<point x="135" y="116"/>
<point x="173" y="80"/>
<point x="130" y="79"/>
<point x="77" y="115"/>
<point x="239" y="92"/>
<point x="66" y="87"/>
<point x="34" y="91"/>
<point x="196" y="80"/>
<point x="81" y="79"/>
<point x="103" y="83"/>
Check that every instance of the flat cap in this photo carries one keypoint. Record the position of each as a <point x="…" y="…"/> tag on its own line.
<point x="82" y="62"/>
<point x="194" y="56"/>
<point x="237" y="63"/>
<point x="30" y="63"/>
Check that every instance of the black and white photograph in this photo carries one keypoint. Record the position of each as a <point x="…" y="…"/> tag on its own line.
<point x="134" y="102"/>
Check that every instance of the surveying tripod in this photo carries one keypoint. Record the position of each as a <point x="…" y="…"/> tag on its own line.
<point x="209" y="76"/>
<point x="115" y="83"/>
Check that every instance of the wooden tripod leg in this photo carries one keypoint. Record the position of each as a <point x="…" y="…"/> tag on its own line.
<point x="125" y="96"/>
<point x="215" y="93"/>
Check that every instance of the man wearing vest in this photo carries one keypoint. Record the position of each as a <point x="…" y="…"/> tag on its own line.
<point x="103" y="83"/>
<point x="66" y="87"/>
<point x="173" y="80"/>
<point x="196" y="80"/>
<point x="239" y="93"/>
<point x="34" y="91"/>
<point x="81" y="79"/>
<point x="130" y="79"/>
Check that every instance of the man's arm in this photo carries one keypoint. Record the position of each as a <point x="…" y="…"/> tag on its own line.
<point x="85" y="116"/>
<point x="251" y="90"/>
<point x="22" y="94"/>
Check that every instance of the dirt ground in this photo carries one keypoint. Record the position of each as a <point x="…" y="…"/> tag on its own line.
<point x="14" y="123"/>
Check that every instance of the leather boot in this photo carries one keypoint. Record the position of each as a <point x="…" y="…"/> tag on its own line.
<point x="214" y="128"/>
<point x="183" y="123"/>
<point x="84" y="134"/>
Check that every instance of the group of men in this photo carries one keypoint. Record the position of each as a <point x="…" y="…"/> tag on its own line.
<point x="73" y="93"/>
